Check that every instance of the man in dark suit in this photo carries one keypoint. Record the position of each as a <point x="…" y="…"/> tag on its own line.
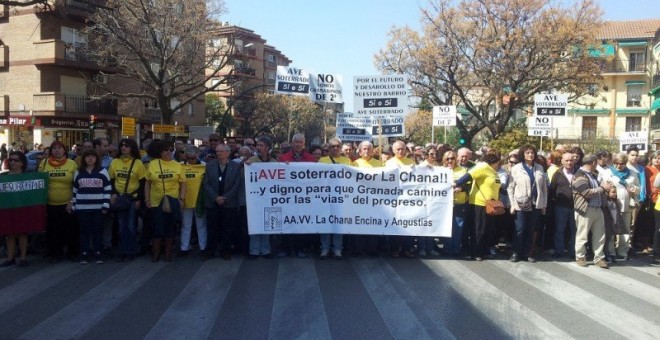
<point x="221" y="184"/>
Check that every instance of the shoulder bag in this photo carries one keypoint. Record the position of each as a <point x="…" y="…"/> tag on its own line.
<point x="493" y="207"/>
<point x="165" y="202"/>
<point x="124" y="201"/>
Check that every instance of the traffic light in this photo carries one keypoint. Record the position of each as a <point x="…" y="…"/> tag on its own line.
<point x="92" y="122"/>
<point x="462" y="141"/>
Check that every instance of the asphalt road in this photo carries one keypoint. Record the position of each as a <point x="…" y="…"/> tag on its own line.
<point x="354" y="298"/>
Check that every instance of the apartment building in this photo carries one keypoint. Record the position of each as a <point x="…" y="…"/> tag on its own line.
<point x="45" y="91"/>
<point x="252" y="66"/>
<point x="629" y="54"/>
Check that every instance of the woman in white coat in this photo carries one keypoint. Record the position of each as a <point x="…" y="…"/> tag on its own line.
<point x="528" y="194"/>
<point x="627" y="187"/>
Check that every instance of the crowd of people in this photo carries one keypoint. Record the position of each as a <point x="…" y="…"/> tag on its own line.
<point x="121" y="201"/>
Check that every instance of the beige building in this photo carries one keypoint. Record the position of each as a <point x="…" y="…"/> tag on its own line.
<point x="252" y="65"/>
<point x="621" y="101"/>
<point x="45" y="91"/>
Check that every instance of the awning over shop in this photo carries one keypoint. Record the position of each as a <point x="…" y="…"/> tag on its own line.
<point x="632" y="112"/>
<point x="597" y="111"/>
<point x="604" y="50"/>
<point x="635" y="82"/>
<point x="656" y="104"/>
<point x="632" y="43"/>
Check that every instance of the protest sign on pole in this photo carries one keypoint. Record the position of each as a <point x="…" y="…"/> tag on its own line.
<point x="540" y="126"/>
<point x="444" y="115"/>
<point x="634" y="138"/>
<point x="326" y="88"/>
<point x="332" y="198"/>
<point x="550" y="104"/>
<point x="292" y="80"/>
<point x="353" y="128"/>
<point x="383" y="98"/>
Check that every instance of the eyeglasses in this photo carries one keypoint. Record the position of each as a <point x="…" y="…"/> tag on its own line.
<point x="450" y="159"/>
<point x="14" y="160"/>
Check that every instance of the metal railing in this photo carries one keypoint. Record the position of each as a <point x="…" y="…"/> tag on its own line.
<point x="74" y="104"/>
<point x="622" y="65"/>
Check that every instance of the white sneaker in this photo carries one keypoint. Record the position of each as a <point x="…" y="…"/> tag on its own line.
<point x="337" y="254"/>
<point x="324" y="253"/>
<point x="422" y="252"/>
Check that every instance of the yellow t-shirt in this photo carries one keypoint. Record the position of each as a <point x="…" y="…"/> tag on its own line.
<point x="60" y="181"/>
<point x="118" y="171"/>
<point x="194" y="174"/>
<point x="460" y="197"/>
<point x="172" y="174"/>
<point x="551" y="171"/>
<point x="486" y="184"/>
<point x="337" y="160"/>
<point x="362" y="163"/>
<point x="399" y="162"/>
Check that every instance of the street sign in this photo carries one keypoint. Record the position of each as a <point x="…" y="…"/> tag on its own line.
<point x="353" y="128"/>
<point x="292" y="80"/>
<point x="444" y="115"/>
<point x="326" y="88"/>
<point x="550" y="104"/>
<point x="634" y="138"/>
<point x="200" y="132"/>
<point x="128" y="126"/>
<point x="380" y="95"/>
<point x="540" y="132"/>
<point x="167" y="128"/>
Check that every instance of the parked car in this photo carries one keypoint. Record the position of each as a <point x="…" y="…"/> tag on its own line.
<point x="33" y="159"/>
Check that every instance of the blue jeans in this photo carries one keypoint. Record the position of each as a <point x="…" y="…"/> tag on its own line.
<point x="458" y="222"/>
<point x="337" y="242"/>
<point x="127" y="221"/>
<point x="91" y="225"/>
<point x="564" y="217"/>
<point x="525" y="225"/>
<point x="260" y="244"/>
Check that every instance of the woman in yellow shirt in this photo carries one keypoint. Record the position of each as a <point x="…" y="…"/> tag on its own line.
<point x="165" y="180"/>
<point x="62" y="228"/>
<point x="486" y="186"/>
<point x="127" y="174"/>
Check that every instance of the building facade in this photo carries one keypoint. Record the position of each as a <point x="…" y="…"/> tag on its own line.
<point x="251" y="67"/>
<point x="46" y="93"/>
<point x="621" y="102"/>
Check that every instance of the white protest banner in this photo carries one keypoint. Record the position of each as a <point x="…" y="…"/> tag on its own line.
<point x="550" y="104"/>
<point x="444" y="115"/>
<point x="380" y="95"/>
<point x="292" y="80"/>
<point x="539" y="126"/>
<point x="353" y="128"/>
<point x="326" y="88"/>
<point x="634" y="138"/>
<point x="331" y="198"/>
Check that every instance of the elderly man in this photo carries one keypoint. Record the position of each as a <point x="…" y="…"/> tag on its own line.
<point x="296" y="243"/>
<point x="400" y="243"/>
<point x="214" y="140"/>
<point x="260" y="243"/>
<point x="221" y="184"/>
<point x="249" y="142"/>
<point x="334" y="157"/>
<point x="561" y="194"/>
<point x="365" y="243"/>
<point x="589" y="196"/>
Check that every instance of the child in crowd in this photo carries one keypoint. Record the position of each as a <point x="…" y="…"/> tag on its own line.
<point x="613" y="224"/>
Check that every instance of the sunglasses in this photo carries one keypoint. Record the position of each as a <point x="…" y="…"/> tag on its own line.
<point x="450" y="158"/>
<point x="14" y="160"/>
<point x="213" y="140"/>
<point x="124" y="145"/>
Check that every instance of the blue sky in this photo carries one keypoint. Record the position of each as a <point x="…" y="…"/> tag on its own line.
<point x="342" y="36"/>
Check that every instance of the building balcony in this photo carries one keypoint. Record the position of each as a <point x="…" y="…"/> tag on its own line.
<point x="655" y="122"/>
<point x="80" y="9"/>
<point x="54" y="51"/>
<point x="622" y="66"/>
<point x="656" y="81"/>
<point x="57" y="102"/>
<point x="245" y="70"/>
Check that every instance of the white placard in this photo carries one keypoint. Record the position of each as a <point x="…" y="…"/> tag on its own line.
<point x="380" y="95"/>
<point x="634" y="138"/>
<point x="353" y="128"/>
<point x="315" y="198"/>
<point x="292" y="80"/>
<point x="326" y="88"/>
<point x="444" y="115"/>
<point x="200" y="132"/>
<point x="540" y="132"/>
<point x="540" y="126"/>
<point x="550" y="104"/>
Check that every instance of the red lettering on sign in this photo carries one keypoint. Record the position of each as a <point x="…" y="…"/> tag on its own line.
<point x="271" y="174"/>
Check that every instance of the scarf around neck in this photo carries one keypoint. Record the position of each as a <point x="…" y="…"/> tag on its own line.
<point x="621" y="175"/>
